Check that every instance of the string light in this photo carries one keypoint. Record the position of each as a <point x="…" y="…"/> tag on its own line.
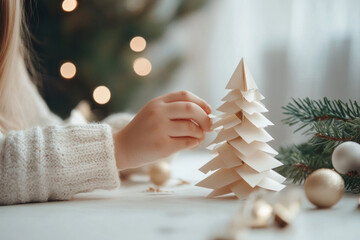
<point x="138" y="44"/>
<point x="69" y="5"/>
<point x="142" y="66"/>
<point x="101" y="95"/>
<point x="68" y="70"/>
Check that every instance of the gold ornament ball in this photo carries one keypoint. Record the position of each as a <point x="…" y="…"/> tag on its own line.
<point x="324" y="188"/>
<point x="159" y="173"/>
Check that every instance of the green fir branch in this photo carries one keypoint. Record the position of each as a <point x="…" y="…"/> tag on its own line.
<point x="329" y="134"/>
<point x="301" y="160"/>
<point x="306" y="111"/>
<point x="329" y="123"/>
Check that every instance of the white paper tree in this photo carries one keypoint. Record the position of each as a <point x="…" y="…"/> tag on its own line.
<point x="244" y="159"/>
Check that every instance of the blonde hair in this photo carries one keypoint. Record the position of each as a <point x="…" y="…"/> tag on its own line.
<point x="13" y="71"/>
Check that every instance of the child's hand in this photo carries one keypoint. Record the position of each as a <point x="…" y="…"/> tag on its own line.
<point x="164" y="126"/>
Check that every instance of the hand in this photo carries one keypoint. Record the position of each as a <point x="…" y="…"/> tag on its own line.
<point x="164" y="126"/>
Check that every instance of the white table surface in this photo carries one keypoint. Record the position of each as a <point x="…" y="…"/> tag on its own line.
<point x="180" y="212"/>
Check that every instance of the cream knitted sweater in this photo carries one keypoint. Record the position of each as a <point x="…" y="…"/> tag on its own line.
<point x="50" y="161"/>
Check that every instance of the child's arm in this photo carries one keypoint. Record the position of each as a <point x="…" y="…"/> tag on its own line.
<point x="165" y="125"/>
<point x="56" y="162"/>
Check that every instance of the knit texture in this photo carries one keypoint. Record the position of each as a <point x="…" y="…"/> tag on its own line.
<point x="56" y="162"/>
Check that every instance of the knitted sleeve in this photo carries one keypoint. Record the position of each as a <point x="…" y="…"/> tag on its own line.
<point x="56" y="162"/>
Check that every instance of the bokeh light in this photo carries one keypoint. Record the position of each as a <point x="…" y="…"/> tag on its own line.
<point x="138" y="44"/>
<point x="68" y="70"/>
<point x="135" y="5"/>
<point x="101" y="95"/>
<point x="69" y="5"/>
<point x="142" y="66"/>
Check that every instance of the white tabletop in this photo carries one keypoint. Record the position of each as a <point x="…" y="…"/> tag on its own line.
<point x="179" y="212"/>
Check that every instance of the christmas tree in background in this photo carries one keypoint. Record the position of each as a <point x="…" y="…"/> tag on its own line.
<point x="244" y="159"/>
<point x="86" y="44"/>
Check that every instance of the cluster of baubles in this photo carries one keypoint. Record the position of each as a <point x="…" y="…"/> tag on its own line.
<point x="325" y="187"/>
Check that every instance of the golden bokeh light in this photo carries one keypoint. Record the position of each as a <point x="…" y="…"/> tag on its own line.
<point x="101" y="95"/>
<point x="68" y="70"/>
<point x="69" y="5"/>
<point x="135" y="6"/>
<point x="142" y="66"/>
<point x="138" y="44"/>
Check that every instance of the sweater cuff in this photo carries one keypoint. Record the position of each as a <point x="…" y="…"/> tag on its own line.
<point x="88" y="160"/>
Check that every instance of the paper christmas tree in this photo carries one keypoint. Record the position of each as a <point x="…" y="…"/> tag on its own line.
<point x="244" y="159"/>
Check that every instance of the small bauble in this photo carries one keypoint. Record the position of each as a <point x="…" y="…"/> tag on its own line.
<point x="159" y="173"/>
<point x="346" y="157"/>
<point x="324" y="188"/>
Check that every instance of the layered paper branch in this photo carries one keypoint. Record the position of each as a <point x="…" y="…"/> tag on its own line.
<point x="243" y="161"/>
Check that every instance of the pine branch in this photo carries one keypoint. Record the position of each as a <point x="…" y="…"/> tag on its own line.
<point x="306" y="111"/>
<point x="301" y="160"/>
<point x="329" y="123"/>
<point x="329" y="134"/>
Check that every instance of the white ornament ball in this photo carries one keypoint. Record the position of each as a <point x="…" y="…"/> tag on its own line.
<point x="324" y="188"/>
<point x="346" y="157"/>
<point x="160" y="173"/>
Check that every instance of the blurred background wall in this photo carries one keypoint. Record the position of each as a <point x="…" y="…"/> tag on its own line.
<point x="294" y="48"/>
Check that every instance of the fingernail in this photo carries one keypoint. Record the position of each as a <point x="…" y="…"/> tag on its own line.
<point x="210" y="124"/>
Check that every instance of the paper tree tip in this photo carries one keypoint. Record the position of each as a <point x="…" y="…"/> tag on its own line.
<point x="242" y="78"/>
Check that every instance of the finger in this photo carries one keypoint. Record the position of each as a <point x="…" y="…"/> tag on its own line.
<point x="189" y="110"/>
<point x="185" y="128"/>
<point x="186" y="96"/>
<point x="182" y="143"/>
